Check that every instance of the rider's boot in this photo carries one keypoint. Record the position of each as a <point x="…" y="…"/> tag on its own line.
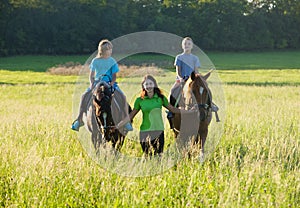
<point x="76" y="125"/>
<point x="215" y="109"/>
<point x="128" y="126"/>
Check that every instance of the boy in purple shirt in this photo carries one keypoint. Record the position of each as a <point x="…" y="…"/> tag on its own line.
<point x="185" y="64"/>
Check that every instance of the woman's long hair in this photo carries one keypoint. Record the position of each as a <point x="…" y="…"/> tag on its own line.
<point x="156" y="89"/>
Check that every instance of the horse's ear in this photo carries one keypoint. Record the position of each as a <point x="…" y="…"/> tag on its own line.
<point x="193" y="75"/>
<point x="208" y="74"/>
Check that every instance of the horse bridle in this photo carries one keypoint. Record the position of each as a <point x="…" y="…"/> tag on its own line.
<point x="105" y="100"/>
<point x="112" y="89"/>
<point x="206" y="107"/>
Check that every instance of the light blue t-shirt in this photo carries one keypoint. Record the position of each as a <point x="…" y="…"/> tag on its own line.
<point x="187" y="63"/>
<point x="104" y="68"/>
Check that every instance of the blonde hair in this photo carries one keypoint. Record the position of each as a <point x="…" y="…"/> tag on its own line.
<point x="187" y="38"/>
<point x="103" y="46"/>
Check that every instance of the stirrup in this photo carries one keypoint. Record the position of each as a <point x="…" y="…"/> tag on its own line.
<point x="214" y="108"/>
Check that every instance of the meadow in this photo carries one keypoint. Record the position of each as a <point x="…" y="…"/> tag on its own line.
<point x="255" y="164"/>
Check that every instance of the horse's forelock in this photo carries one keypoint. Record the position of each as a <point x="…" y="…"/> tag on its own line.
<point x="101" y="98"/>
<point x="193" y="85"/>
<point x="187" y="89"/>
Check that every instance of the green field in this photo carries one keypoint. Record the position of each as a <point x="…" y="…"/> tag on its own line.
<point x="238" y="60"/>
<point x="255" y="164"/>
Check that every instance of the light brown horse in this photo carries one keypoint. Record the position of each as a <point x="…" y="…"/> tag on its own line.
<point x="192" y="129"/>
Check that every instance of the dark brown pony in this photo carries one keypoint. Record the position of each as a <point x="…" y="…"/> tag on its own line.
<point x="102" y="113"/>
<point x="193" y="129"/>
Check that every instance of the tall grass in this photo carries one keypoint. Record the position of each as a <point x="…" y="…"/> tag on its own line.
<point x="256" y="163"/>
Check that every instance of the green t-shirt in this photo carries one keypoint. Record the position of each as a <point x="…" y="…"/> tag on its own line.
<point x="151" y="109"/>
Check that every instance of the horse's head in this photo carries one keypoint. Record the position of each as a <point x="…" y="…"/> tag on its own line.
<point x="102" y="97"/>
<point x="196" y="92"/>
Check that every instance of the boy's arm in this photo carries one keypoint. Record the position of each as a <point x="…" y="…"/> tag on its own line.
<point x="197" y="65"/>
<point x="178" y="71"/>
<point x="114" y="78"/>
<point x="92" y="78"/>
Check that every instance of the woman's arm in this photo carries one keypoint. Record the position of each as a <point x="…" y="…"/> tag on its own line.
<point x="133" y="113"/>
<point x="127" y="119"/>
<point x="173" y="109"/>
<point x="177" y="110"/>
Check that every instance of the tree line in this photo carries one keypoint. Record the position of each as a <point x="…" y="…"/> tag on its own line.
<point x="76" y="26"/>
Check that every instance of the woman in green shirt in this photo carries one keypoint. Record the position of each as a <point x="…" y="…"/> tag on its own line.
<point x="150" y="103"/>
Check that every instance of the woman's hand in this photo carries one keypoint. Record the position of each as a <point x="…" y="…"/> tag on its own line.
<point x="194" y="109"/>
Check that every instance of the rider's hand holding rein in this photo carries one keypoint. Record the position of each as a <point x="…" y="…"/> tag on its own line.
<point x="114" y="78"/>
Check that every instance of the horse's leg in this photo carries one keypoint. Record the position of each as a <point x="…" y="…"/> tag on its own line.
<point x="203" y="136"/>
<point x="118" y="141"/>
<point x="95" y="139"/>
<point x="114" y="139"/>
<point x="176" y="122"/>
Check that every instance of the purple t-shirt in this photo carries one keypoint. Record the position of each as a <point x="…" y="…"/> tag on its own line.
<point x="187" y="64"/>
